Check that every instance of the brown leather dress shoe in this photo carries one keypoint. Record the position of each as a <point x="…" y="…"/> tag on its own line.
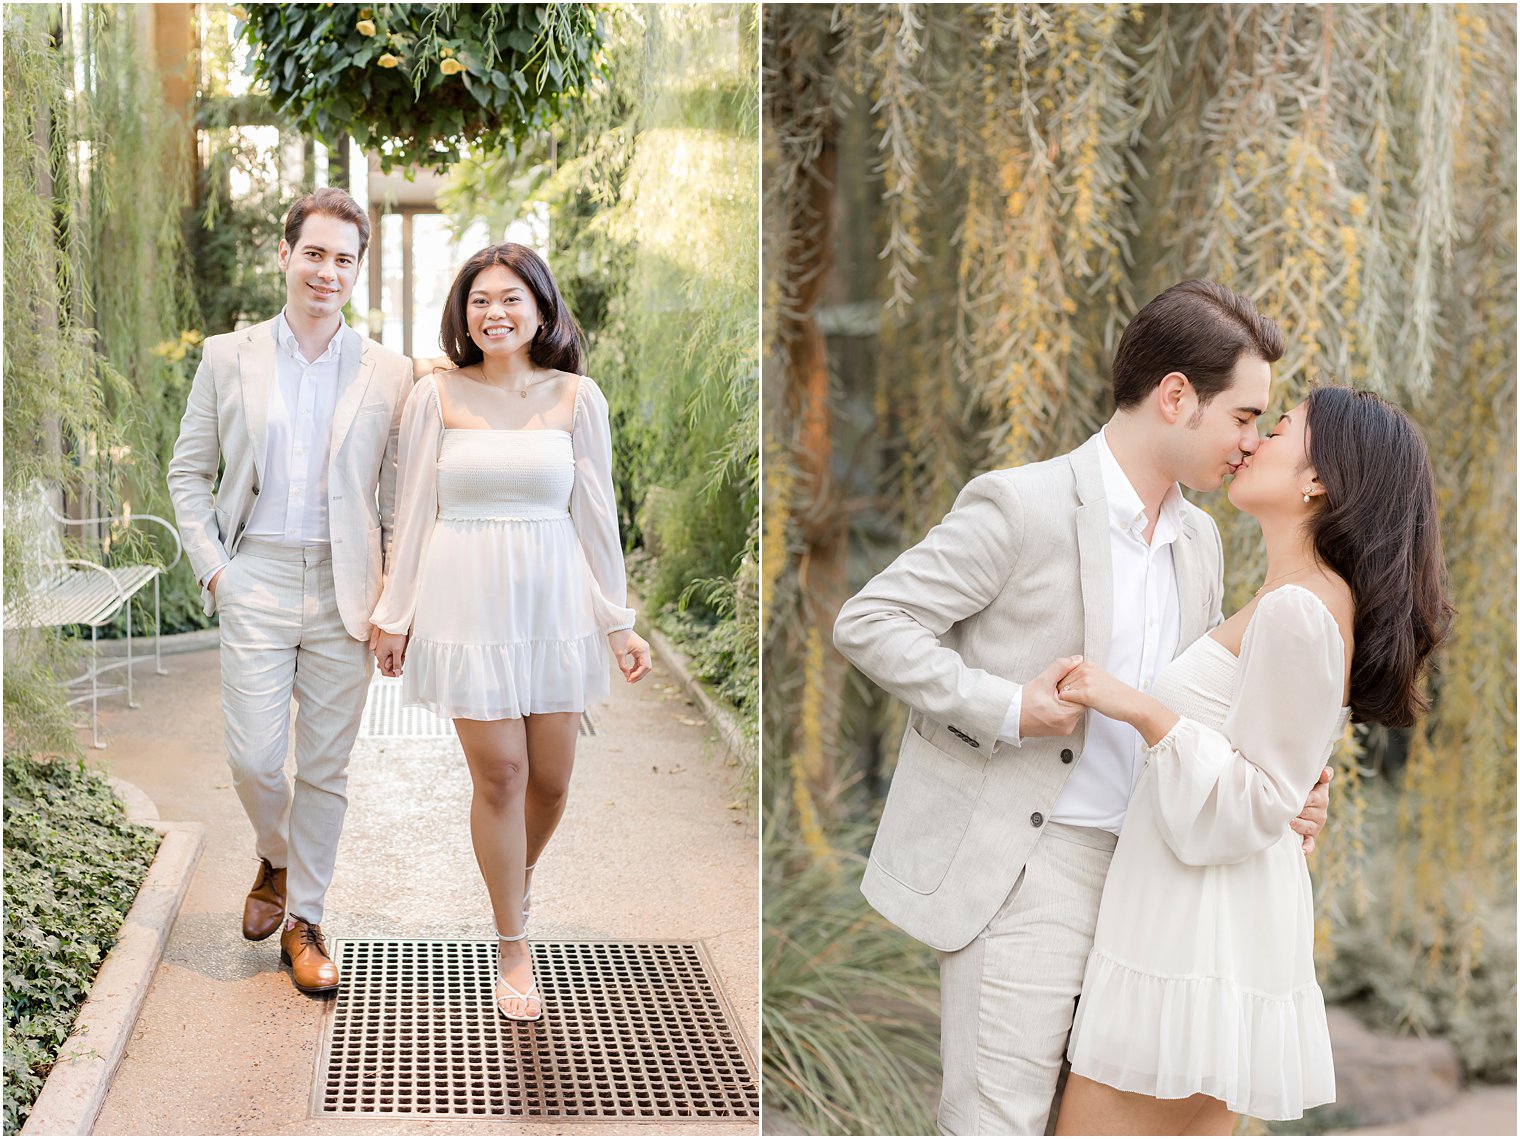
<point x="265" y="908"/>
<point x="303" y="948"/>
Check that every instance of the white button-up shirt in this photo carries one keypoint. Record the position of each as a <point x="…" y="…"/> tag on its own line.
<point x="1147" y="624"/>
<point x="291" y="507"/>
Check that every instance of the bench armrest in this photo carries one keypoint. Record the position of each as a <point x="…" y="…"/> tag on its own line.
<point x="114" y="518"/>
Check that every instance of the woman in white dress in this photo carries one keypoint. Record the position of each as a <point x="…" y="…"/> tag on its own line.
<point x="1199" y="1000"/>
<point x="505" y="590"/>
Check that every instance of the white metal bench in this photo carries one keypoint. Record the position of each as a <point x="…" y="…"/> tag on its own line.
<point x="75" y="591"/>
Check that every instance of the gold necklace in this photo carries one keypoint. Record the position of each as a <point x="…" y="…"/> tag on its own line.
<point x="1278" y="578"/>
<point x="530" y="384"/>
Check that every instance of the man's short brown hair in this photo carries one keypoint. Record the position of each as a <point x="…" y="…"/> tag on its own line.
<point x="1198" y="328"/>
<point x="332" y="202"/>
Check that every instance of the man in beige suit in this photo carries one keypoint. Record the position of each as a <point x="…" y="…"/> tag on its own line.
<point x="1006" y="803"/>
<point x="289" y="548"/>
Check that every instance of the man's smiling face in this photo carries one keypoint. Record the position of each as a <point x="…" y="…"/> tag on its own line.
<point x="321" y="269"/>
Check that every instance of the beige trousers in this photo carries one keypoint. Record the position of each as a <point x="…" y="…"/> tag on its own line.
<point x="1008" y="998"/>
<point x="282" y="636"/>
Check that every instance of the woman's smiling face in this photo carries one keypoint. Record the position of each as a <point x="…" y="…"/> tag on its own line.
<point x="500" y="312"/>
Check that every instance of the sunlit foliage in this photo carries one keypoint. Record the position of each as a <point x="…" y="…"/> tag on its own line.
<point x="417" y="84"/>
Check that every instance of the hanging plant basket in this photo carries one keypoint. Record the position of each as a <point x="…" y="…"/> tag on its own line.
<point x="418" y="83"/>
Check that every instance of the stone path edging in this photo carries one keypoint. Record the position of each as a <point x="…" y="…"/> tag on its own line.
<point x="76" y="1088"/>
<point x="142" y="646"/>
<point x="721" y="719"/>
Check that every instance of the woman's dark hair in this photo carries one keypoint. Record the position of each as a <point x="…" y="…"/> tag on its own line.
<point x="559" y="343"/>
<point x="1198" y="328"/>
<point x="1378" y="529"/>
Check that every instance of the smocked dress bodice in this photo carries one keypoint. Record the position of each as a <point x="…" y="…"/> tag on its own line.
<point x="476" y="482"/>
<point x="1199" y="683"/>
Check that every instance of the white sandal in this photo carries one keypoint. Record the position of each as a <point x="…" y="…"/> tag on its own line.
<point x="506" y="991"/>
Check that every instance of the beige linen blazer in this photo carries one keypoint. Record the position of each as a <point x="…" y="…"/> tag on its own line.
<point x="1016" y="575"/>
<point x="224" y="422"/>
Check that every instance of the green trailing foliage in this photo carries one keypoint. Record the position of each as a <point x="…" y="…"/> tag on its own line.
<point x="73" y="865"/>
<point x="56" y="380"/>
<point x="851" y="1046"/>
<point x="143" y="305"/>
<point x="1398" y="980"/>
<point x="420" y="84"/>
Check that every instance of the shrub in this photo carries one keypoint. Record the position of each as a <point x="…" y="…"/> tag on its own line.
<point x="73" y="866"/>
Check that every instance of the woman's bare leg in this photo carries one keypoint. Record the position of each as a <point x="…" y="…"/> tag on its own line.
<point x="1213" y="1118"/>
<point x="497" y="754"/>
<point x="551" y="757"/>
<point x="1091" y="1108"/>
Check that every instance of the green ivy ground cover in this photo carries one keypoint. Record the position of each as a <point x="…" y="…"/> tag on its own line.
<point x="73" y="865"/>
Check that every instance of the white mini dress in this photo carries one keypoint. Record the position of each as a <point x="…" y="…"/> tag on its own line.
<point x="1201" y="976"/>
<point x="506" y="566"/>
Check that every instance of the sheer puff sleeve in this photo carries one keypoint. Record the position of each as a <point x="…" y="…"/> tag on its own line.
<point x="1226" y="795"/>
<point x="416" y="506"/>
<point x="593" y="506"/>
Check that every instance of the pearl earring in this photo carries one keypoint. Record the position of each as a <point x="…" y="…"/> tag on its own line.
<point x="1306" y="496"/>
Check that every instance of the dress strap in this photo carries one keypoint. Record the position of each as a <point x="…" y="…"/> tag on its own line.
<point x="437" y="377"/>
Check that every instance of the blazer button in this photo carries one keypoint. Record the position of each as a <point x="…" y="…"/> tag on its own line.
<point x="1066" y="756"/>
<point x="255" y="490"/>
<point x="1037" y="819"/>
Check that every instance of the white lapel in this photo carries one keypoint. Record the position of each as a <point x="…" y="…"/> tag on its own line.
<point x="1094" y="557"/>
<point x="356" y="367"/>
<point x="257" y="376"/>
<point x="1190" y="591"/>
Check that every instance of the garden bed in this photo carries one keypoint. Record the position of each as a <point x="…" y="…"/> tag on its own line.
<point x="73" y="867"/>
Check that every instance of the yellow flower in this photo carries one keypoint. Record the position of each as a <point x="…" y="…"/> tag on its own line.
<point x="366" y="13"/>
<point x="451" y="67"/>
<point x="190" y="336"/>
<point x="388" y="60"/>
<point x="240" y="12"/>
<point x="366" y="27"/>
<point x="164" y="347"/>
<point x="445" y="52"/>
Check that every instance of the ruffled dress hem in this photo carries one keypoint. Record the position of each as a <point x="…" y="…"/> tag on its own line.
<point x="505" y="681"/>
<point x="1208" y="1034"/>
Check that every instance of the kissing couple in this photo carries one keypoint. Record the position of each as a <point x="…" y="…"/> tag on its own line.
<point x="1107" y="789"/>
<point x="461" y="530"/>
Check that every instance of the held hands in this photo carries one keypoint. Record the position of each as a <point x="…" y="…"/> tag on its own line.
<point x="631" y="652"/>
<point x="1089" y="686"/>
<point x="1092" y="687"/>
<point x="389" y="650"/>
<point x="1042" y="711"/>
<point x="1316" y="811"/>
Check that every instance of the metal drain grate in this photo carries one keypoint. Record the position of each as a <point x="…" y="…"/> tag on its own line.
<point x="631" y="1030"/>
<point x="385" y="717"/>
